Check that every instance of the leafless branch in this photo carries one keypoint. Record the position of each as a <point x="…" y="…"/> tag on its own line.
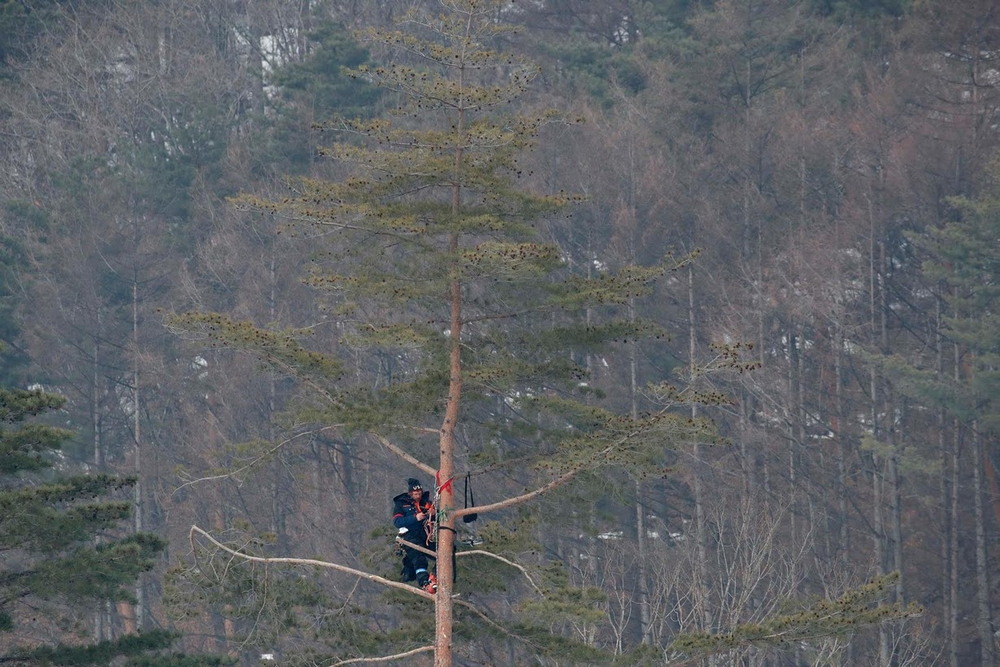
<point x="516" y="500"/>
<point x="309" y="561"/>
<point x="545" y="488"/>
<point x="406" y="456"/>
<point x="480" y="552"/>
<point x="475" y="552"/>
<point x="255" y="461"/>
<point x="384" y="658"/>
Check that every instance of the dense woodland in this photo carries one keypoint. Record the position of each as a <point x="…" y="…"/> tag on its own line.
<point x="782" y="222"/>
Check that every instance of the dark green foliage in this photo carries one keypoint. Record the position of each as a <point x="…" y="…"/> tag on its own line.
<point x="180" y="660"/>
<point x="963" y="266"/>
<point x="110" y="569"/>
<point x="321" y="81"/>
<point x="315" y="89"/>
<point x="595" y="68"/>
<point x="102" y="653"/>
<point x="21" y="22"/>
<point x="540" y="640"/>
<point x="450" y="298"/>
<point x="25" y="446"/>
<point x="160" y="173"/>
<point x="56" y="532"/>
<point x="862" y="9"/>
<point x="606" y="57"/>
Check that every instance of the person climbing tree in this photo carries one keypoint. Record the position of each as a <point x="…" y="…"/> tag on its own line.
<point x="413" y="516"/>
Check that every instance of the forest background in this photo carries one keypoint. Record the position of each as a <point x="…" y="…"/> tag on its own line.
<point x="834" y="162"/>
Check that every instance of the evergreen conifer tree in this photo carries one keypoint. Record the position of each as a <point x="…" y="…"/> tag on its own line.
<point x="436" y="259"/>
<point x="965" y="262"/>
<point x="60" y="555"/>
<point x="464" y="330"/>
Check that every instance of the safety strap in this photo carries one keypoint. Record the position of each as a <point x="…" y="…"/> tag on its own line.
<point x="469" y="498"/>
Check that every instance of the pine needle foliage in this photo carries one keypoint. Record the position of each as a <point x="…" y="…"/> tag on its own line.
<point x="435" y="255"/>
<point x="129" y="651"/>
<point x="855" y="610"/>
<point x="435" y="216"/>
<point x="57" y="533"/>
<point x="963" y="263"/>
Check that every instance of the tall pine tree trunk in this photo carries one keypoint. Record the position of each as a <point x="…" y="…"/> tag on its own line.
<point x="947" y="487"/>
<point x="444" y="607"/>
<point x="701" y="524"/>
<point x="953" y="546"/>
<point x="984" y="616"/>
<point x="640" y="519"/>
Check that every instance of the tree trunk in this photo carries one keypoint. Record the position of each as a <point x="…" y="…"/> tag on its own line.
<point x="945" y="488"/>
<point x="953" y="546"/>
<point x="443" y="606"/>
<point x="700" y="523"/>
<point x="876" y="295"/>
<point x="137" y="495"/>
<point x="844" y="546"/>
<point x="983" y="613"/>
<point x="640" y="519"/>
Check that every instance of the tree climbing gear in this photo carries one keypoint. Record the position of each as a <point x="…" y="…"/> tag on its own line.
<point x="469" y="498"/>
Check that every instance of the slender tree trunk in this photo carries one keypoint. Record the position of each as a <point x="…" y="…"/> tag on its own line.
<point x="945" y="488"/>
<point x="983" y="616"/>
<point x="701" y="525"/>
<point x="895" y="515"/>
<point x="792" y="417"/>
<point x="640" y="519"/>
<point x="640" y="529"/>
<point x="102" y="623"/>
<point x="953" y="545"/>
<point x="876" y="291"/>
<point x="278" y="524"/>
<point x="844" y="546"/>
<point x="137" y="494"/>
<point x="444" y="607"/>
<point x="95" y="401"/>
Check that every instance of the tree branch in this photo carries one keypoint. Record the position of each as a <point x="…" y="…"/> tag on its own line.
<point x="385" y="658"/>
<point x="516" y="500"/>
<point x="481" y="552"/>
<point x="416" y="547"/>
<point x="257" y="460"/>
<point x="406" y="456"/>
<point x="309" y="561"/>
<point x="475" y="552"/>
<point x="370" y="577"/>
<point x="557" y="482"/>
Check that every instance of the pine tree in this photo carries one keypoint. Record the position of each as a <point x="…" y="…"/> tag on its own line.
<point x="60" y="556"/>
<point x="807" y="620"/>
<point x="963" y="265"/>
<point x="965" y="262"/>
<point x="435" y="258"/>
